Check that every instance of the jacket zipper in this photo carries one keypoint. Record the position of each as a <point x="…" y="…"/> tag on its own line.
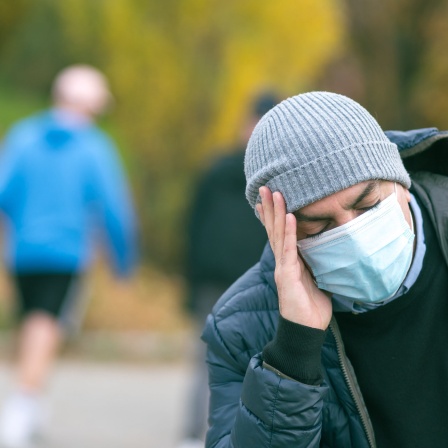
<point x="349" y="380"/>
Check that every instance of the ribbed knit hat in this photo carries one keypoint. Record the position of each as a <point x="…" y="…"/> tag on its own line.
<point x="315" y="144"/>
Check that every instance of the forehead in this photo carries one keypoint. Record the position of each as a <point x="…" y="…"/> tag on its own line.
<point x="345" y="198"/>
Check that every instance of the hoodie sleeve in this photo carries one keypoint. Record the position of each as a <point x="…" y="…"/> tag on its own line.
<point x="10" y="149"/>
<point x="113" y="199"/>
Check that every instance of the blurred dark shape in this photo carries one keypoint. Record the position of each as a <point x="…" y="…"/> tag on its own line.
<point x="430" y="155"/>
<point x="263" y="104"/>
<point x="62" y="191"/>
<point x="11" y="14"/>
<point x="342" y="74"/>
<point x="224" y="236"/>
<point x="224" y="240"/>
<point x="394" y="44"/>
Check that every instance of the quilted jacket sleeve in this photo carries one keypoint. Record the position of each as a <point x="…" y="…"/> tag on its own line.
<point x="251" y="405"/>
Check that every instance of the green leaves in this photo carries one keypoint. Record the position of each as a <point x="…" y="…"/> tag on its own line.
<point x="182" y="73"/>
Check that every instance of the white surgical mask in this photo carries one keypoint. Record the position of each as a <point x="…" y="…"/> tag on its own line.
<point x="366" y="259"/>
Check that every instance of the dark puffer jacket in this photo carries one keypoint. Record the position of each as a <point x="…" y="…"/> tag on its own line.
<point x="253" y="405"/>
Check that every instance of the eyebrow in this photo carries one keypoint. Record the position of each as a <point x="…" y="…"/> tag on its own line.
<point x="367" y="190"/>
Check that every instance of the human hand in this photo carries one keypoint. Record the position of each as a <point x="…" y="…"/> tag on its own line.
<point x="300" y="300"/>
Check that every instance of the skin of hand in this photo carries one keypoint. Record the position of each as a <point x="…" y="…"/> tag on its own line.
<point x="300" y="300"/>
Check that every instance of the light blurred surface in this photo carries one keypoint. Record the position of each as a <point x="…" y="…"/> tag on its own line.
<point x="112" y="405"/>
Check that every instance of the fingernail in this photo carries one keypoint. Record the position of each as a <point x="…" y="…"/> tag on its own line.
<point x="260" y="191"/>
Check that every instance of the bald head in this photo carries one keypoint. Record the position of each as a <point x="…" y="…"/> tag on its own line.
<point x="83" y="89"/>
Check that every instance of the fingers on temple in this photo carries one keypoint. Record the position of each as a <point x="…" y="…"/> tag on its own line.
<point x="259" y="208"/>
<point x="267" y="206"/>
<point x="290" y="241"/>
<point x="279" y="224"/>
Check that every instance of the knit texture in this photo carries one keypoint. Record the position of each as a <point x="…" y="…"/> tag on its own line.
<point x="315" y="144"/>
<point x="296" y="351"/>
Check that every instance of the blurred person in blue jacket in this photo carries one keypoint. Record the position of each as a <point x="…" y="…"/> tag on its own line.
<point x="62" y="188"/>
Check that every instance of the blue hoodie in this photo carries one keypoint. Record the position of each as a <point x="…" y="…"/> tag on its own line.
<point x="62" y="189"/>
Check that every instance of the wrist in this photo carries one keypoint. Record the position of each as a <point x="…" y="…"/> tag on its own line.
<point x="296" y="351"/>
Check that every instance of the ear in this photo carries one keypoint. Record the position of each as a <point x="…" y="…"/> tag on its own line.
<point x="407" y="194"/>
<point x="404" y="191"/>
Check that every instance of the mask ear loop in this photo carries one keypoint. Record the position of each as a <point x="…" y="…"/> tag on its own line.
<point x="410" y="211"/>
<point x="412" y="221"/>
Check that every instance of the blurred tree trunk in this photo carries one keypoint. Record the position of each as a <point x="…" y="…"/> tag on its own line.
<point x="11" y="14"/>
<point x="390" y="39"/>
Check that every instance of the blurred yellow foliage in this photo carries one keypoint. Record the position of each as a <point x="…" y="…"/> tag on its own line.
<point x="182" y="73"/>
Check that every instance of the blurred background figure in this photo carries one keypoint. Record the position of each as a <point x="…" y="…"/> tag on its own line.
<point x="62" y="191"/>
<point x="224" y="240"/>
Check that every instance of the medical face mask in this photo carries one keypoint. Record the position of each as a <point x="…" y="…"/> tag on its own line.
<point x="366" y="259"/>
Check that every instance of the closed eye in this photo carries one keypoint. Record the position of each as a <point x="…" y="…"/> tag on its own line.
<point x="370" y="207"/>
<point x="363" y="209"/>
<point x="315" y="235"/>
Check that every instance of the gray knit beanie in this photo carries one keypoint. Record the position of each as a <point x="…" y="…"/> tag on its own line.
<point x="315" y="144"/>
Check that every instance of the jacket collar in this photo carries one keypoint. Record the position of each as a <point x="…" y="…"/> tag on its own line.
<point x="432" y="190"/>
<point x="415" y="141"/>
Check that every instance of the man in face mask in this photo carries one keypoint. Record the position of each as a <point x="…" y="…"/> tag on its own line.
<point x="338" y="336"/>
